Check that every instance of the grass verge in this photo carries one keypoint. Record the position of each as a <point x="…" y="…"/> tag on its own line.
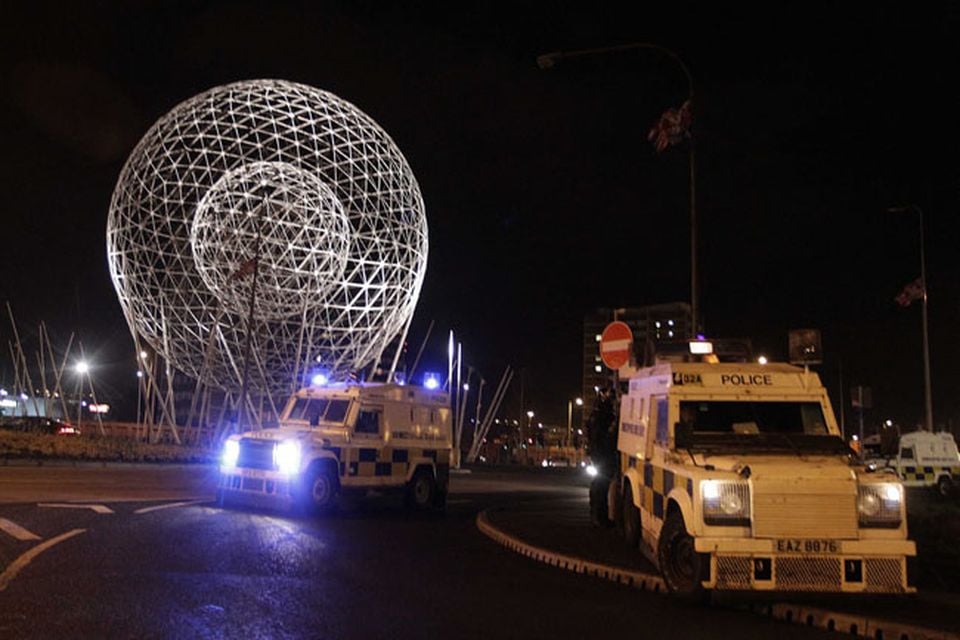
<point x="31" y="446"/>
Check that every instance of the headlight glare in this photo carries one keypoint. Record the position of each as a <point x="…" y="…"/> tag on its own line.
<point x="731" y="504"/>
<point x="231" y="452"/>
<point x="879" y="505"/>
<point x="286" y="456"/>
<point x="725" y="503"/>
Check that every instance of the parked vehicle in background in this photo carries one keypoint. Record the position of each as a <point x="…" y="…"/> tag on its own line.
<point x="39" y="424"/>
<point x="924" y="459"/>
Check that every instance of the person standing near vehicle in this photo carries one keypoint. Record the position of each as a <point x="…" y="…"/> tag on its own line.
<point x="602" y="449"/>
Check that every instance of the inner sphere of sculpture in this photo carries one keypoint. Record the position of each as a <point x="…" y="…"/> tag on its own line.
<point x="290" y="219"/>
<point x="292" y="174"/>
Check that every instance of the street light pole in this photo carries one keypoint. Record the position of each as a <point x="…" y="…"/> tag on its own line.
<point x="927" y="394"/>
<point x="550" y="60"/>
<point x="570" y="403"/>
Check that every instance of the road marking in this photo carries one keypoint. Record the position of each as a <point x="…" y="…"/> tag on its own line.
<point x="17" y="531"/>
<point x="99" y="508"/>
<point x="27" y="557"/>
<point x="170" y="505"/>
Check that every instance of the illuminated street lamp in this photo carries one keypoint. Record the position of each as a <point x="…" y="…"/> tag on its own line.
<point x="762" y="360"/>
<point x="570" y="403"/>
<point x="139" y="395"/>
<point x="82" y="368"/>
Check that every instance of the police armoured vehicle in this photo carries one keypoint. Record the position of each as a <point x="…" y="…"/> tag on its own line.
<point x="344" y="438"/>
<point x="925" y="459"/>
<point x="734" y="476"/>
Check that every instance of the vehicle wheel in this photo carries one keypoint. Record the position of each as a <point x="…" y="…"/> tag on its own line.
<point x="421" y="492"/>
<point x="630" y="517"/>
<point x="945" y="487"/>
<point x="319" y="491"/>
<point x="680" y="564"/>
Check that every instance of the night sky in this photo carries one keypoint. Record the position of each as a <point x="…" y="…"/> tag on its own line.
<point x="544" y="198"/>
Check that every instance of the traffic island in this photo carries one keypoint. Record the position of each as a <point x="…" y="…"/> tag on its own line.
<point x="559" y="533"/>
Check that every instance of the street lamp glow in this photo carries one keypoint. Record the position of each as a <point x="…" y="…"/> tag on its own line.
<point x="143" y="355"/>
<point x="530" y="414"/>
<point x="889" y="423"/>
<point x="466" y="386"/>
<point x="82" y="367"/>
<point x="578" y="402"/>
<point x="139" y="374"/>
<point x="762" y="360"/>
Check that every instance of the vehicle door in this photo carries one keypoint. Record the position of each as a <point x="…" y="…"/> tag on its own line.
<point x="907" y="464"/>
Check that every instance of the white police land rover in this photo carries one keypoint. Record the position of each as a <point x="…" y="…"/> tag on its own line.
<point x="343" y="438"/>
<point x="735" y="477"/>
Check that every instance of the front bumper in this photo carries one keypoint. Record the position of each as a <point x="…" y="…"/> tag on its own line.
<point x="857" y="566"/>
<point x="257" y="487"/>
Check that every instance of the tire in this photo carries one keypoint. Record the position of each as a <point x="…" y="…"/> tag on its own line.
<point x="319" y="491"/>
<point x="422" y="491"/>
<point x="630" y="517"/>
<point x="681" y="566"/>
<point x="945" y="487"/>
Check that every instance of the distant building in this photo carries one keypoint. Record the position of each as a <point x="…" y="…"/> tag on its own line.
<point x="662" y="329"/>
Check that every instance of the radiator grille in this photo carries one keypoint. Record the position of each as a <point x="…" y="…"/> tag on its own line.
<point x="733" y="572"/>
<point x="778" y="515"/>
<point x="256" y="454"/>
<point x="807" y="574"/>
<point x="884" y="574"/>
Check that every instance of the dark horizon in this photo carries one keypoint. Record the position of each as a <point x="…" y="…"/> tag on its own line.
<point x="544" y="198"/>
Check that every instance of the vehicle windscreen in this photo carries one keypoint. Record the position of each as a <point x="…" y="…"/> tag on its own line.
<point x="773" y="426"/>
<point x="317" y="410"/>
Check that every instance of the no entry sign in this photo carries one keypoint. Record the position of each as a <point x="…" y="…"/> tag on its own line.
<point x="615" y="344"/>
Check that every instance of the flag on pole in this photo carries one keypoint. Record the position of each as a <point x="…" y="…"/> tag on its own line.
<point x="913" y="291"/>
<point x="244" y="270"/>
<point x="672" y="127"/>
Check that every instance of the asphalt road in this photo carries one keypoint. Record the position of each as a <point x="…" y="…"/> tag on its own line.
<point x="126" y="565"/>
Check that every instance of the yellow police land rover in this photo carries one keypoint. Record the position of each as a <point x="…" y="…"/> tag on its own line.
<point x="735" y="477"/>
<point x="341" y="438"/>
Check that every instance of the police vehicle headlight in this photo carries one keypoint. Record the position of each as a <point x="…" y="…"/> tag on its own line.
<point x="879" y="504"/>
<point x="592" y="471"/>
<point x="725" y="503"/>
<point x="286" y="456"/>
<point x="231" y="452"/>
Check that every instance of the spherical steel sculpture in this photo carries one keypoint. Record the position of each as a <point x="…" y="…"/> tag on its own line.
<point x="274" y="196"/>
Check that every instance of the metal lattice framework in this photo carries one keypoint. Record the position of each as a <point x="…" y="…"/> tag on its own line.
<point x="297" y="176"/>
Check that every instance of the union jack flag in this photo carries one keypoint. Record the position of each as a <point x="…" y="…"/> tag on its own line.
<point x="672" y="127"/>
<point x="913" y="291"/>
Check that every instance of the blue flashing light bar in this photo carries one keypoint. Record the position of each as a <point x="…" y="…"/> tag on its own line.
<point x="431" y="381"/>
